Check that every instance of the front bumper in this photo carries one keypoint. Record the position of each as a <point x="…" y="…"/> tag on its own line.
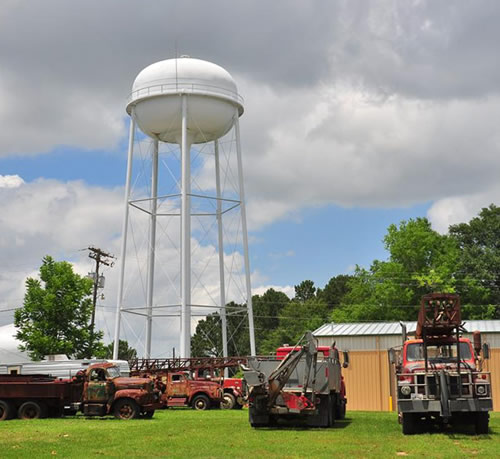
<point x="434" y="406"/>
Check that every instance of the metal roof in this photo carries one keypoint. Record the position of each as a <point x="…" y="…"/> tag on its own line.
<point x="394" y="328"/>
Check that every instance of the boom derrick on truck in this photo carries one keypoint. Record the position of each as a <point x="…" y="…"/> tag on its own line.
<point x="439" y="373"/>
<point x="296" y="385"/>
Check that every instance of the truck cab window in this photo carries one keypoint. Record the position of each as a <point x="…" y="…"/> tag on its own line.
<point x="98" y="375"/>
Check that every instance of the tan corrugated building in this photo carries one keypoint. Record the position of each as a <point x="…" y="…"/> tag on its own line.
<point x="370" y="379"/>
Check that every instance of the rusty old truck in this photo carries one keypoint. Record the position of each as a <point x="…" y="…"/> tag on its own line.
<point x="97" y="391"/>
<point x="439" y="373"/>
<point x="302" y="384"/>
<point x="180" y="389"/>
<point x="195" y="382"/>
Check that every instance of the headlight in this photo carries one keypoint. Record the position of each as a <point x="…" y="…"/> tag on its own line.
<point x="405" y="389"/>
<point x="480" y="389"/>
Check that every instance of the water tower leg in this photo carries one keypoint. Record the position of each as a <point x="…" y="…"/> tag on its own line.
<point x="152" y="249"/>
<point x="221" y="256"/>
<point x="185" y="344"/>
<point x="123" y="251"/>
<point x="245" y="236"/>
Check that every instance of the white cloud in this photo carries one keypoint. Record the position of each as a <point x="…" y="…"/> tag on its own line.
<point x="369" y="105"/>
<point x="460" y="209"/>
<point x="348" y="148"/>
<point x="10" y="181"/>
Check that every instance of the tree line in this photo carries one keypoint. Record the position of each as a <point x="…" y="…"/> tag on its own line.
<point x="465" y="261"/>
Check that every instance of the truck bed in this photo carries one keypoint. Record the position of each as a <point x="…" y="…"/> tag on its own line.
<point x="34" y="387"/>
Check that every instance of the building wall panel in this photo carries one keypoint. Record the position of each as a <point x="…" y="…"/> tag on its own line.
<point x="493" y="365"/>
<point x="367" y="381"/>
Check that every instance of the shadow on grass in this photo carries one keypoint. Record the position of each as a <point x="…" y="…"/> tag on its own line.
<point x="454" y="431"/>
<point x="299" y="426"/>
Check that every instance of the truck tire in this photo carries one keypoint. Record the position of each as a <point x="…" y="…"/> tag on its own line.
<point x="481" y="422"/>
<point x="228" y="401"/>
<point x="409" y="422"/>
<point x="201" y="403"/>
<point x="148" y="414"/>
<point x="340" y="409"/>
<point x="126" y="408"/>
<point x="6" y="410"/>
<point x="324" y="418"/>
<point x="30" y="410"/>
<point x="258" y="420"/>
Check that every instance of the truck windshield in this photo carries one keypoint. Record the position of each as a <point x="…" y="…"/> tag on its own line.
<point x="113" y="372"/>
<point x="437" y="352"/>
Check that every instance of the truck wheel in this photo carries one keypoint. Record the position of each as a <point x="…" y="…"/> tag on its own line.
<point x="258" y="420"/>
<point x="340" y="410"/>
<point x="6" y="411"/>
<point x="30" y="410"/>
<point x="409" y="424"/>
<point x="228" y="401"/>
<point x="126" y="408"/>
<point x="201" y="402"/>
<point x="481" y="422"/>
<point x="148" y="414"/>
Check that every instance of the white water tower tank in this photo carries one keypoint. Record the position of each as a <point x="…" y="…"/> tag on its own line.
<point x="212" y="92"/>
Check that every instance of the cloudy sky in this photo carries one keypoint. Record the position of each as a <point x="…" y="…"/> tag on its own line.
<point x="358" y="114"/>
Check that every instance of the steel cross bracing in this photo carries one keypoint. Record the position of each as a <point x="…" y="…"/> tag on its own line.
<point x="229" y="180"/>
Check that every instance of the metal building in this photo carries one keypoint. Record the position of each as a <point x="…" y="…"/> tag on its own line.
<point x="370" y="378"/>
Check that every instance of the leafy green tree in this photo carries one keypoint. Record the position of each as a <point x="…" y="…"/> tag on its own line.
<point x="55" y="315"/>
<point x="207" y="339"/>
<point x="420" y="261"/>
<point x="125" y="352"/>
<point x="295" y="319"/>
<point x="335" y="290"/>
<point x="305" y="291"/>
<point x="479" y="263"/>
<point x="267" y="309"/>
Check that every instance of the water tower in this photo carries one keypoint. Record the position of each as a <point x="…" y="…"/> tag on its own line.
<point x="183" y="102"/>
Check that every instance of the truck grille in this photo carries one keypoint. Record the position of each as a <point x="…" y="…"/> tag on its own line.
<point x="428" y="385"/>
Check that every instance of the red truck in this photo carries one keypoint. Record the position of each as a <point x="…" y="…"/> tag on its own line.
<point x="302" y="384"/>
<point x="440" y="378"/>
<point x="340" y="408"/>
<point x="234" y="396"/>
<point x="180" y="389"/>
<point x="97" y="391"/>
<point x="233" y="389"/>
<point x="199" y="371"/>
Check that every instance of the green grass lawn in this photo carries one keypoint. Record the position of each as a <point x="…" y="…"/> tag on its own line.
<point x="186" y="433"/>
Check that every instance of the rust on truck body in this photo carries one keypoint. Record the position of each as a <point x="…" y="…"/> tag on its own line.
<point x="96" y="391"/>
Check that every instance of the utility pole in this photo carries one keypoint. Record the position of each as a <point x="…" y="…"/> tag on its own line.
<point x="103" y="258"/>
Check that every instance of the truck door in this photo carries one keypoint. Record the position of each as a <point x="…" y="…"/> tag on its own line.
<point x="178" y="386"/>
<point x="98" y="388"/>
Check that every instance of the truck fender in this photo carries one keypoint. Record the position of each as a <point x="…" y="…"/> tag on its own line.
<point x="133" y="394"/>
